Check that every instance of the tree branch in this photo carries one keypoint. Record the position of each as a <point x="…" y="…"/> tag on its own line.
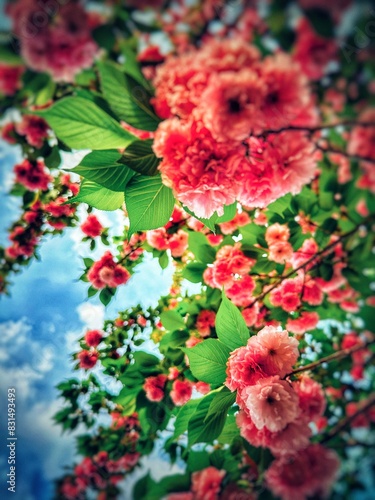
<point x="348" y="420"/>
<point x="315" y="129"/>
<point x="330" y="149"/>
<point x="336" y="355"/>
<point x="311" y="259"/>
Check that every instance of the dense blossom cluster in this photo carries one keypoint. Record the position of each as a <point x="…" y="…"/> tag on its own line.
<point x="213" y="99"/>
<point x="274" y="412"/>
<point x="107" y="273"/>
<point x="57" y="38"/>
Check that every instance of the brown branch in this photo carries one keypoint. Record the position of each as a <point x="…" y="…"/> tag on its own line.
<point x="315" y="129"/>
<point x="311" y="259"/>
<point x="330" y="149"/>
<point x="336" y="355"/>
<point x="348" y="420"/>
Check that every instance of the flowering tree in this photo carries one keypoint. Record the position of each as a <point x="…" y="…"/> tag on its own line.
<point x="238" y="142"/>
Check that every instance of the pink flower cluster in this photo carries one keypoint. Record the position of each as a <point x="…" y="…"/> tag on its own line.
<point x="34" y="129"/>
<point x="214" y="98"/>
<point x="274" y="412"/>
<point x="181" y="389"/>
<point x="361" y="142"/>
<point x="10" y="78"/>
<point x="92" y="227"/>
<point x="160" y="239"/>
<point x="205" y="485"/>
<point x="277" y="236"/>
<point x="98" y="473"/>
<point x="56" y="38"/>
<point x="205" y="321"/>
<point x="106" y="272"/>
<point x="231" y="271"/>
<point x="33" y="175"/>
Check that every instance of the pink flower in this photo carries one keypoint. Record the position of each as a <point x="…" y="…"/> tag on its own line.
<point x="154" y="387"/>
<point x="287" y="295"/>
<point x="10" y="78"/>
<point x="307" y="321"/>
<point x="205" y="321"/>
<point x="245" y="366"/>
<point x="277" y="233"/>
<point x="93" y="338"/>
<point x="105" y="272"/>
<point x="294" y="437"/>
<point x="312" y="51"/>
<point x="200" y="171"/>
<point x="250" y="314"/>
<point x="280" y="252"/>
<point x="206" y="483"/>
<point x="281" y="350"/>
<point x="183" y="495"/>
<point x="307" y="473"/>
<point x="33" y="175"/>
<point x="181" y="392"/>
<point x="240" y="291"/>
<point x="87" y="359"/>
<point x="232" y="101"/>
<point x="271" y="403"/>
<point x="92" y="227"/>
<point x="34" y="128"/>
<point x="311" y="397"/>
<point x="202" y="387"/>
<point x="158" y="238"/>
<point x="240" y="219"/>
<point x="178" y="243"/>
<point x="308" y="250"/>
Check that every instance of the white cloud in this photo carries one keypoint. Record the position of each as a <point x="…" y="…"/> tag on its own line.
<point x="92" y="315"/>
<point x="14" y="331"/>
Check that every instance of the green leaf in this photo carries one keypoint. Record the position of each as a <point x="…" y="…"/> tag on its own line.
<point x="230" y="430"/>
<point x="81" y="124"/>
<point x="208" y="361"/>
<point x="102" y="168"/>
<point x="183" y="417"/>
<point x="140" y="157"/>
<point x="98" y="197"/>
<point x="201" y="430"/>
<point x="163" y="260"/>
<point x="149" y="203"/>
<point x="210" y="223"/>
<point x="281" y="204"/>
<point x="230" y="325"/>
<point x="172" y="321"/>
<point x="198" y="245"/>
<point x="106" y="295"/>
<point x="229" y="213"/>
<point x="321" y="21"/>
<point x="128" y="98"/>
<point x="223" y="400"/>
<point x="194" y="271"/>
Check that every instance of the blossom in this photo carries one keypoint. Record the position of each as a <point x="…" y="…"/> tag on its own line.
<point x="232" y="103"/>
<point x="34" y="128"/>
<point x="178" y="243"/>
<point x="240" y="290"/>
<point x="287" y="295"/>
<point x="61" y="44"/>
<point x="307" y="473"/>
<point x="154" y="387"/>
<point x="280" y="252"/>
<point x="271" y="403"/>
<point x="245" y="366"/>
<point x="205" y="484"/>
<point x="87" y="359"/>
<point x="157" y="238"/>
<point x="33" y="175"/>
<point x="277" y="233"/>
<point x="313" y="52"/>
<point x="311" y="397"/>
<point x="91" y="226"/>
<point x="250" y="314"/>
<point x="205" y="321"/>
<point x="181" y="392"/>
<point x="10" y="78"/>
<point x="281" y="350"/>
<point x="105" y="272"/>
<point x="304" y="256"/>
<point x="306" y="321"/>
<point x="239" y="220"/>
<point x="200" y="171"/>
<point x="93" y="338"/>
<point x="202" y="387"/>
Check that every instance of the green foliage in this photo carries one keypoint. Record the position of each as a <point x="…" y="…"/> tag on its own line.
<point x="208" y="361"/>
<point x="230" y="326"/>
<point x="82" y="125"/>
<point x="98" y="197"/>
<point x="149" y="203"/>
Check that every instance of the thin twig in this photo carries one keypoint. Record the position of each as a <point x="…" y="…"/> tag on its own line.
<point x="348" y="420"/>
<point x="317" y="128"/>
<point x="330" y="149"/>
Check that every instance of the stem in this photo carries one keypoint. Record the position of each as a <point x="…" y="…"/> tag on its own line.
<point x="317" y="128"/>
<point x="336" y="355"/>
<point x="348" y="420"/>
<point x="344" y="153"/>
<point x="311" y="259"/>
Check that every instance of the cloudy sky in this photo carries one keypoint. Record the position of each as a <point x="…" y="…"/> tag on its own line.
<point x="39" y="327"/>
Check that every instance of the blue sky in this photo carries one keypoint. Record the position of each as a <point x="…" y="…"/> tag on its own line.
<point x="39" y="327"/>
